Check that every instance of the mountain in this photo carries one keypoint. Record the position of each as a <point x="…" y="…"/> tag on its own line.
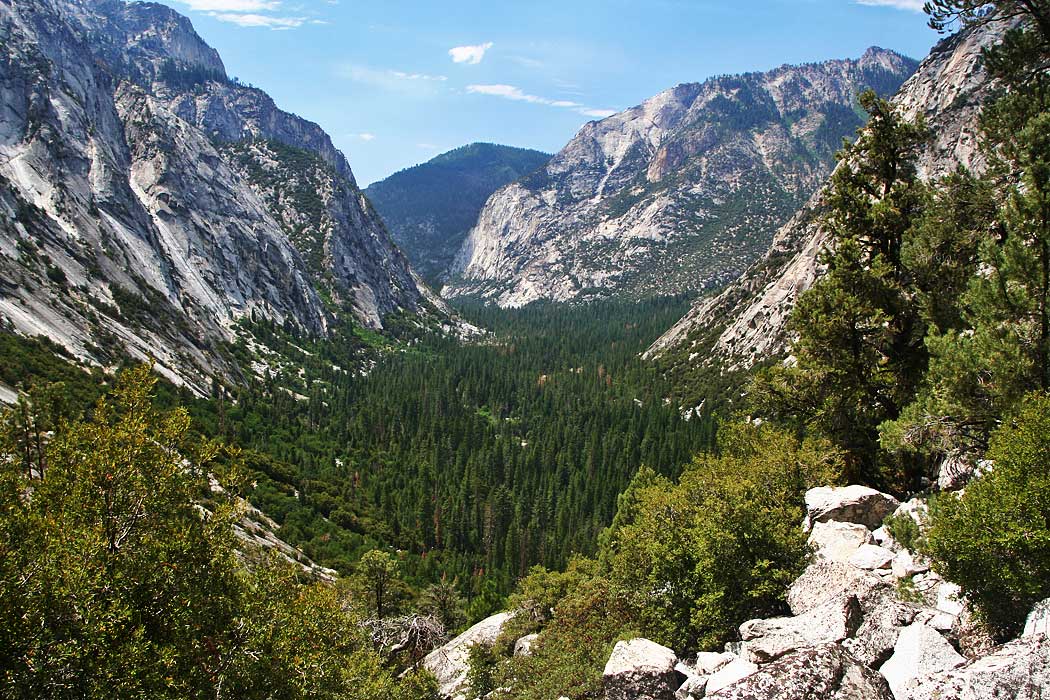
<point x="430" y="208"/>
<point x="745" y="323"/>
<point x="150" y="206"/>
<point x="678" y="194"/>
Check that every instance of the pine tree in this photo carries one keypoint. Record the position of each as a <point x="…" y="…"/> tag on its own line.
<point x="858" y="353"/>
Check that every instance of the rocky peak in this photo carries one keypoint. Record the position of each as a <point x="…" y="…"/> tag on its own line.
<point x="675" y="194"/>
<point x="130" y="223"/>
<point x="745" y="323"/>
<point x="158" y="34"/>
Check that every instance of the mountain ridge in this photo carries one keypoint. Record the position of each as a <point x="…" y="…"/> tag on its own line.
<point x="429" y="208"/>
<point x="128" y="226"/>
<point x="745" y="323"/>
<point x="674" y="195"/>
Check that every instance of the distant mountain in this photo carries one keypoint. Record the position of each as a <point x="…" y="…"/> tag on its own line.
<point x="678" y="194"/>
<point x="149" y="205"/>
<point x="429" y="209"/>
<point x="745" y="324"/>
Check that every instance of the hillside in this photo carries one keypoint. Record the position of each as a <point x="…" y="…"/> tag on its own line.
<point x="150" y="204"/>
<point x="744" y="324"/>
<point x="678" y="194"/>
<point x="430" y="208"/>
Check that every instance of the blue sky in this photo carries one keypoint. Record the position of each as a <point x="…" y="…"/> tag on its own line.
<point x="396" y="82"/>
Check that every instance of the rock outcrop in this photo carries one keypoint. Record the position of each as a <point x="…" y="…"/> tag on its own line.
<point x="745" y="322"/>
<point x="148" y="203"/>
<point x="679" y="193"/>
<point x="855" y="633"/>
<point x="448" y="663"/>
<point x="824" y="671"/>
<point x="640" y="669"/>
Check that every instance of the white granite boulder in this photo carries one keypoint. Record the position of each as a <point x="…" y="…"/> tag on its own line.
<point x="920" y="651"/>
<point x="1038" y="621"/>
<point x="838" y="541"/>
<point x="1018" y="670"/>
<point x="730" y="674"/>
<point x="523" y="647"/>
<point x="823" y="581"/>
<point x="871" y="557"/>
<point x="448" y="663"/>
<point x="824" y="672"/>
<point x="641" y="669"/>
<point x="849" y="504"/>
<point x="767" y="640"/>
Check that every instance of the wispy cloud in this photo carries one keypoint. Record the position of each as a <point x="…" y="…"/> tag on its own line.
<point x="389" y="79"/>
<point x="232" y="5"/>
<point x="253" y="20"/>
<point x="510" y="92"/>
<point x="471" y="55"/>
<point x="365" y="136"/>
<point x="418" y="76"/>
<point x="913" y="5"/>
<point x="250" y="13"/>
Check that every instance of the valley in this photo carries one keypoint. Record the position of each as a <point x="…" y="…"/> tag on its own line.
<point x="742" y="393"/>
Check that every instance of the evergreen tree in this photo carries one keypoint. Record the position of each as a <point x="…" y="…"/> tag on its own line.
<point x="858" y="353"/>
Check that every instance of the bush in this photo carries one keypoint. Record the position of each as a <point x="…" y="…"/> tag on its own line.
<point x="722" y="545"/>
<point x="994" y="541"/>
<point x="570" y="654"/>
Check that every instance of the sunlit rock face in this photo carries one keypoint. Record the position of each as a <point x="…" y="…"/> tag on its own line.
<point x="677" y="194"/>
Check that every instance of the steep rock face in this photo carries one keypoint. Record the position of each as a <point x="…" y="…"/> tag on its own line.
<point x="744" y="324"/>
<point x="678" y="193"/>
<point x="127" y="227"/>
<point x="431" y="207"/>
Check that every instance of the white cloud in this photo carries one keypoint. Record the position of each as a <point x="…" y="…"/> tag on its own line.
<point x="393" y="80"/>
<point x="253" y="20"/>
<point x="913" y="5"/>
<point x="510" y="92"/>
<point x="366" y="136"/>
<point x="417" y="76"/>
<point x="232" y="5"/>
<point x="470" y="55"/>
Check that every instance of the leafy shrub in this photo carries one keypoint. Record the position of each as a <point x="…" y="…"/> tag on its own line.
<point x="722" y="545"/>
<point x="481" y="669"/>
<point x="570" y="654"/>
<point x="994" y="541"/>
<point x="903" y="528"/>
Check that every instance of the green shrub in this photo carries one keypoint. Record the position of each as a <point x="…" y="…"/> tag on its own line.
<point x="994" y="541"/>
<point x="481" y="669"/>
<point x="903" y="528"/>
<point x="722" y="545"/>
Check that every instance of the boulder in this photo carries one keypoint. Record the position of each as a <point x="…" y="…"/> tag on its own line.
<point x="949" y="599"/>
<point x="641" y="669"/>
<point x="733" y="672"/>
<point x="955" y="471"/>
<point x="826" y="580"/>
<point x="871" y="557"/>
<point x="873" y="642"/>
<point x="823" y="672"/>
<point x="767" y="640"/>
<point x="523" y="647"/>
<point x="1018" y="670"/>
<point x="920" y="651"/>
<point x="695" y="684"/>
<point x="906" y="564"/>
<point x="849" y="504"/>
<point x="448" y="663"/>
<point x="838" y="541"/>
<point x="1038" y="621"/>
<point x="707" y="662"/>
